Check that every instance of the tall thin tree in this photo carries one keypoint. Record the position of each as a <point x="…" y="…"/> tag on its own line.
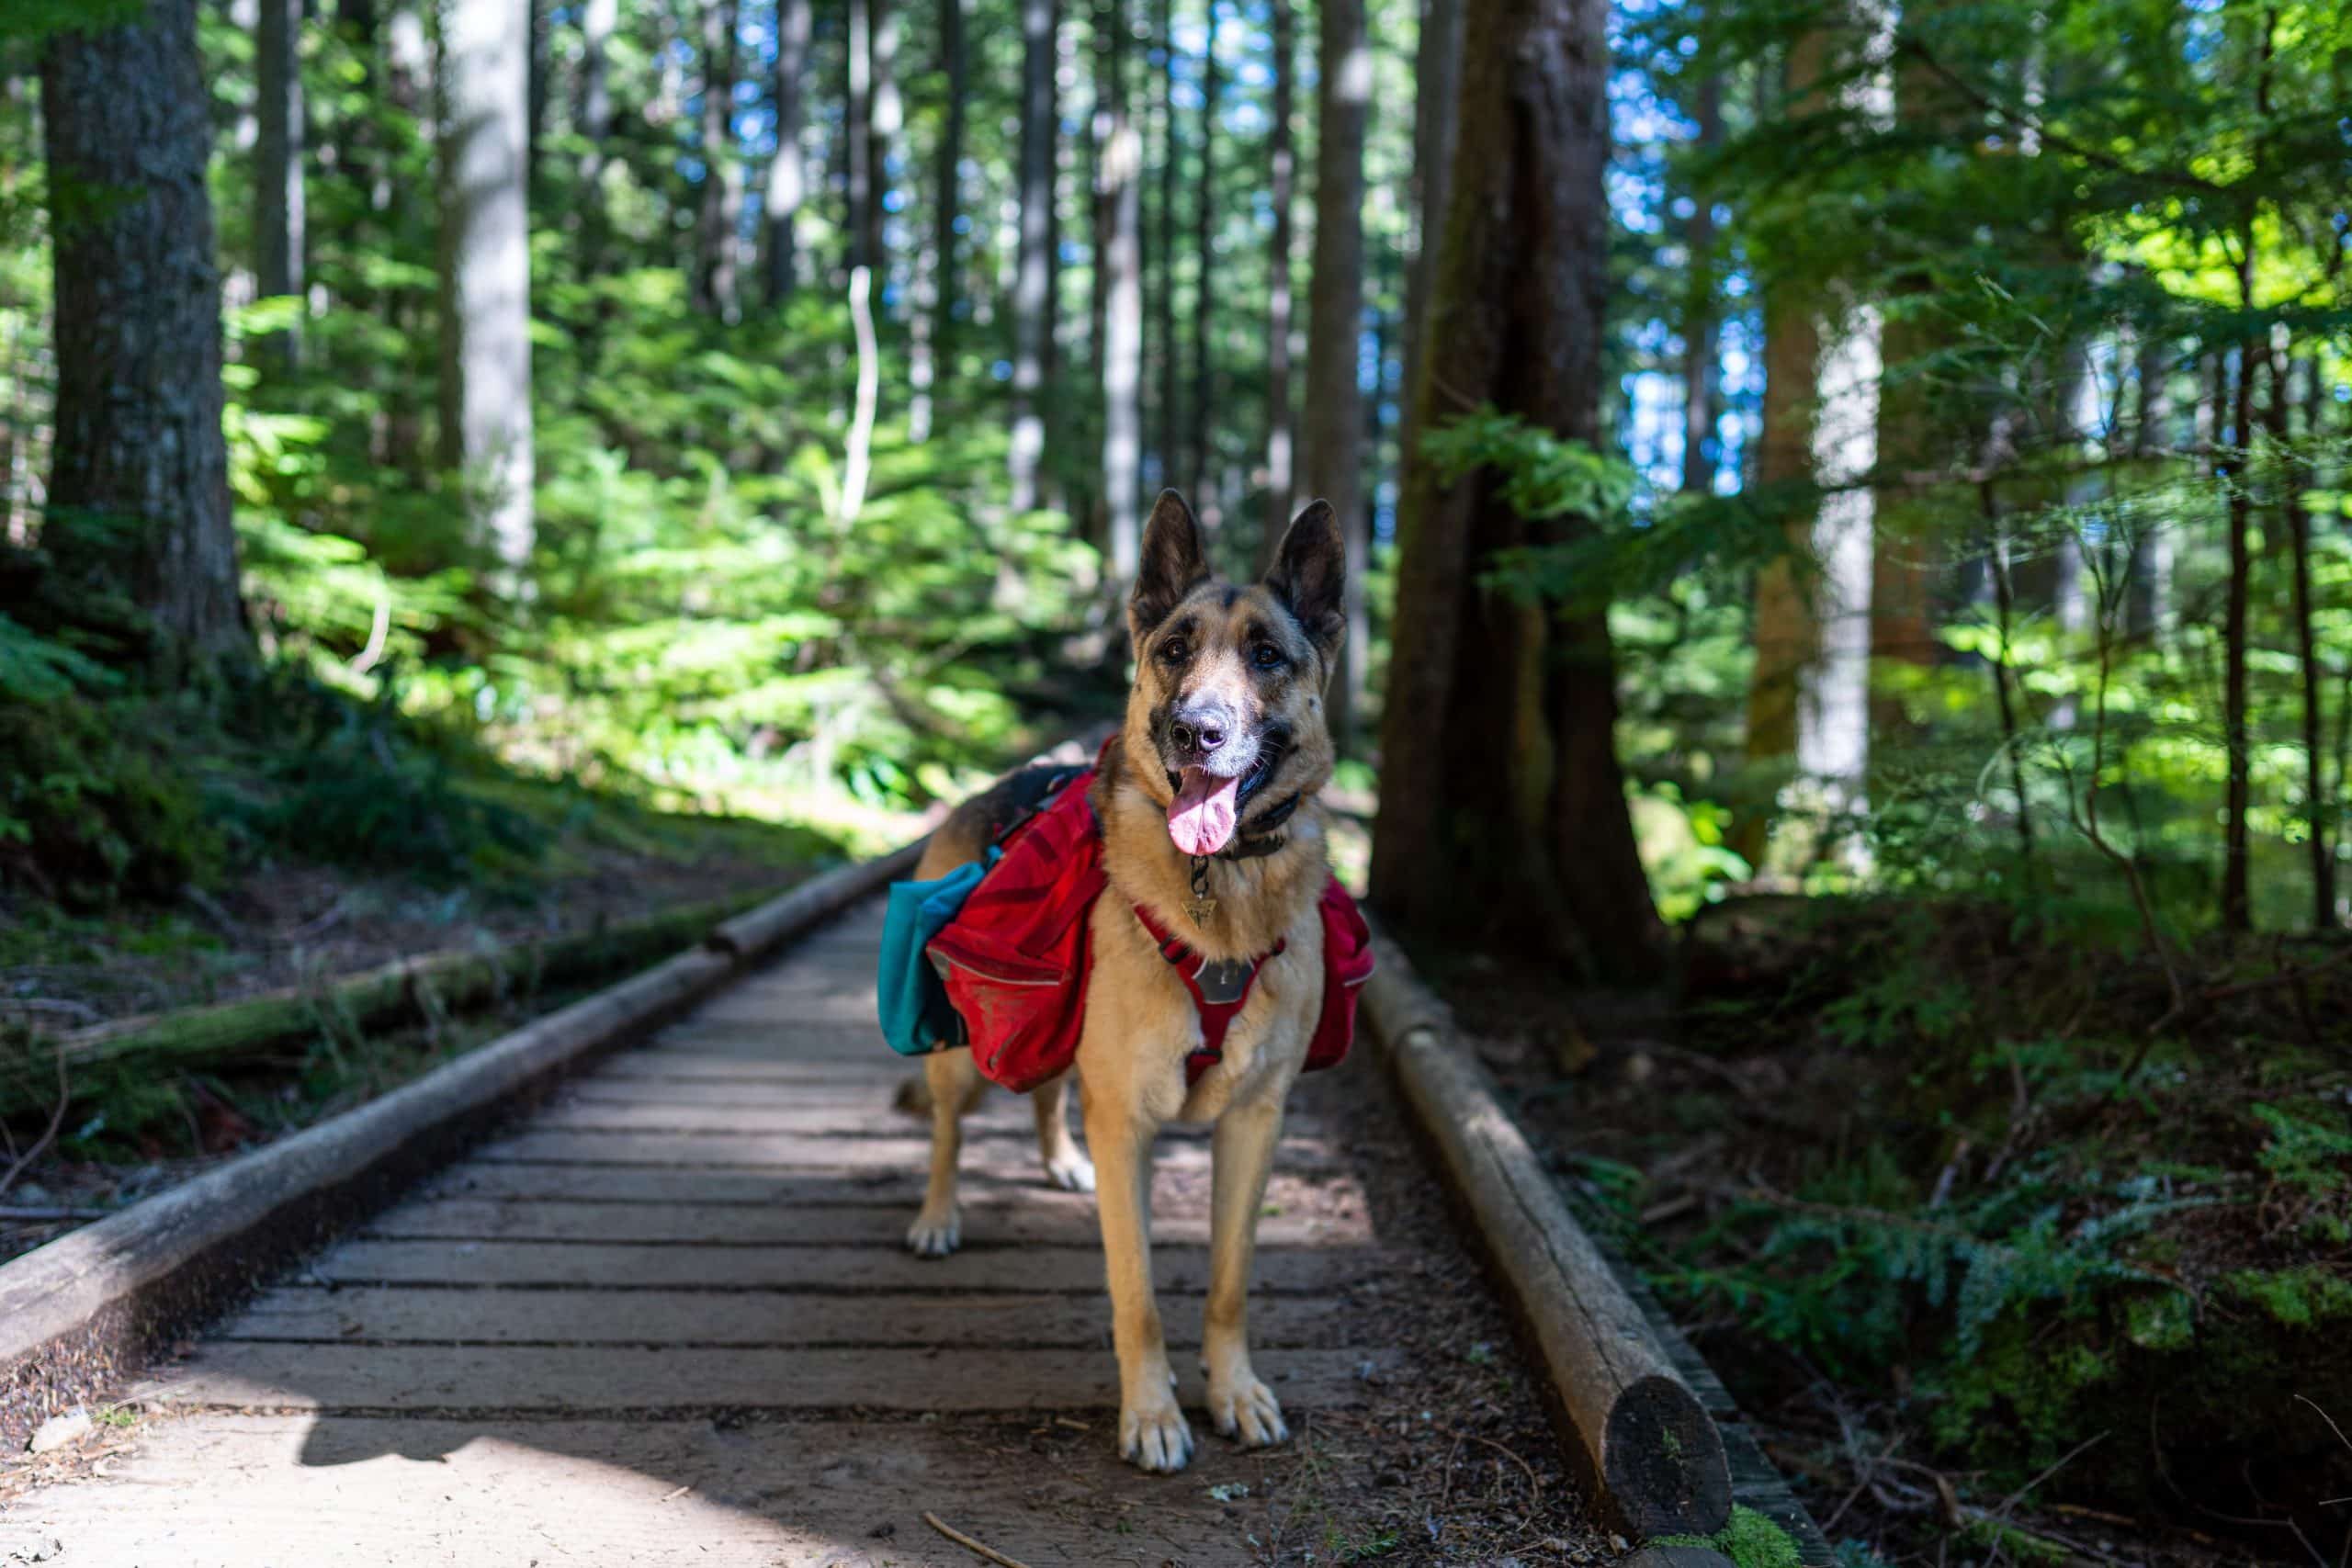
<point x="277" y="174"/>
<point x="1033" y="302"/>
<point x="1119" y="177"/>
<point x="1335" y="417"/>
<point x="857" y="143"/>
<point x="787" y="183"/>
<point x="1437" y="76"/>
<point x="483" y="78"/>
<point x="593" y="123"/>
<point x="1166" y="417"/>
<point x="1204" y="216"/>
<point x="1281" y="180"/>
<point x="720" y="210"/>
<point x="137" y="303"/>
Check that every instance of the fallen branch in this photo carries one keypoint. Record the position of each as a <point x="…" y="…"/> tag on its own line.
<point x="431" y="986"/>
<point x="968" y="1543"/>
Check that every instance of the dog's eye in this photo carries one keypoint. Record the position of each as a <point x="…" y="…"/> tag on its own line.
<point x="1268" y="657"/>
<point x="1172" y="652"/>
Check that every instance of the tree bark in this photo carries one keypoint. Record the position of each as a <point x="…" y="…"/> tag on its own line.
<point x="1204" y="216"/>
<point x="2237" y="909"/>
<point x="2299" y="541"/>
<point x="1119" y="200"/>
<point x="947" y="291"/>
<point x="1437" y="78"/>
<point x="721" y="207"/>
<point x="1502" y="806"/>
<point x="482" y="81"/>
<point x="1334" y="423"/>
<point x="1809" y="692"/>
<point x="1168" y="420"/>
<point x="882" y="132"/>
<point x="787" y="184"/>
<point x="137" y="302"/>
<point x="1282" y="424"/>
<point x="277" y="172"/>
<point x="857" y="134"/>
<point x="1700" y="311"/>
<point x="594" y="124"/>
<point x="1032" y="282"/>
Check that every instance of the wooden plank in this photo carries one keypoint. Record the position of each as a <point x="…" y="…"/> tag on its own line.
<point x="1648" y="1439"/>
<point x="1174" y="1191"/>
<point x="1016" y="1219"/>
<point x="74" y="1310"/>
<point x="769" y="1318"/>
<point x="981" y="1265"/>
<point x="684" y="1068"/>
<point x="824" y="1113"/>
<point x="218" y="1491"/>
<point x="450" y="1378"/>
<point x="847" y="1155"/>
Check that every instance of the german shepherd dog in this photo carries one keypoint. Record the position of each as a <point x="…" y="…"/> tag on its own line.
<point x="1224" y="741"/>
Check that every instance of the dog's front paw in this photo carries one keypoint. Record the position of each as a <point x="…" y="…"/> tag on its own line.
<point x="933" y="1236"/>
<point x="1155" y="1435"/>
<point x="1072" y="1172"/>
<point x="1247" y="1411"/>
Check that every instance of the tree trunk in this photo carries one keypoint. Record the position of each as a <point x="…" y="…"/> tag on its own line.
<point x="787" y="184"/>
<point x="888" y="119"/>
<point x="1437" y="77"/>
<point x="137" y="302"/>
<point x="277" y="171"/>
<point x="947" y="289"/>
<point x="1334" y="423"/>
<point x="594" y="125"/>
<point x="1701" y="311"/>
<point x="541" y="68"/>
<point x="1120" y="172"/>
<point x="481" y="77"/>
<point x="2299" y="541"/>
<point x="1168" y="417"/>
<point x="1810" y="688"/>
<point x="2237" y="909"/>
<point x="1205" y="215"/>
<point x="721" y="207"/>
<point x="856" y="141"/>
<point x="1033" y="283"/>
<point x="1502" y="807"/>
<point x="1282" y="482"/>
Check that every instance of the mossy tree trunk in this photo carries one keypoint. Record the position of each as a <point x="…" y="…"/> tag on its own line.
<point x="138" y="327"/>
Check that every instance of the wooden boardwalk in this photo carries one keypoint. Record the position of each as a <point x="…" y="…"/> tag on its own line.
<point x="669" y="1319"/>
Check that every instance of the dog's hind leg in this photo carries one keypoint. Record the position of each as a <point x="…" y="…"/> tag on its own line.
<point x="1240" y="1405"/>
<point x="1067" y="1165"/>
<point x="954" y="1087"/>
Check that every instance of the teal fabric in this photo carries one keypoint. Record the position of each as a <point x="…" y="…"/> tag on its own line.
<point x="916" y="1017"/>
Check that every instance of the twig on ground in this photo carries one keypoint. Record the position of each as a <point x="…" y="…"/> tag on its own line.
<point x="968" y="1543"/>
<point x="1533" y="1482"/>
<point x="48" y="1133"/>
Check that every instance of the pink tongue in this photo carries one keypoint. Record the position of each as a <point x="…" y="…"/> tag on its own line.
<point x="1201" y="816"/>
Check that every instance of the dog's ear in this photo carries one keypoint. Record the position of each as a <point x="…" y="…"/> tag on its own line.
<point x="1310" y="576"/>
<point x="1173" y="565"/>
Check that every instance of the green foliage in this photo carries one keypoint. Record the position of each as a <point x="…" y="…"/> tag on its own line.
<point x="1750" y="1538"/>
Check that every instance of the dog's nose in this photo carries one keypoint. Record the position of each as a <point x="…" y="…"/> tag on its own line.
<point x="1200" y="733"/>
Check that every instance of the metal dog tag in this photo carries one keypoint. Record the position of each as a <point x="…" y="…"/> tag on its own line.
<point x="1223" y="983"/>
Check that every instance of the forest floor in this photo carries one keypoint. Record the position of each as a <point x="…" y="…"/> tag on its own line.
<point x="289" y="924"/>
<point x="2008" y="1259"/>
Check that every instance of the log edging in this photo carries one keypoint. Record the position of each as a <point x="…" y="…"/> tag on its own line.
<point x="79" y="1312"/>
<point x="1641" y="1436"/>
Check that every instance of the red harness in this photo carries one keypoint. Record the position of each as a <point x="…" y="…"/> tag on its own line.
<point x="1014" y="959"/>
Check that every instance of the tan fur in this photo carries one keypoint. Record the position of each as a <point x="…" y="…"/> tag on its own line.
<point x="1140" y="1024"/>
